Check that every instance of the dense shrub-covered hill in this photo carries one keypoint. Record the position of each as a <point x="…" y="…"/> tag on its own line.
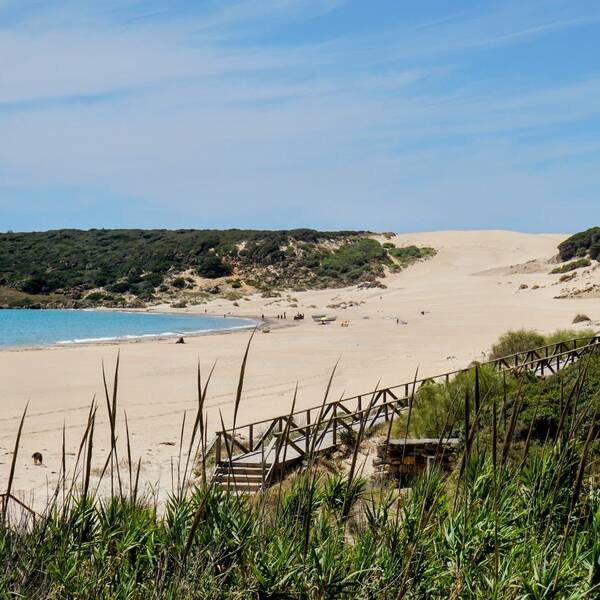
<point x="581" y="245"/>
<point x="105" y="266"/>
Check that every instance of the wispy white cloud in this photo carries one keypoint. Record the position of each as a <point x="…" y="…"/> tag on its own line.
<point x="186" y="116"/>
<point x="245" y="13"/>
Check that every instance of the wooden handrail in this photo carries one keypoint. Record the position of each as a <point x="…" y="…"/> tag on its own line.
<point x="542" y="356"/>
<point x="592" y="341"/>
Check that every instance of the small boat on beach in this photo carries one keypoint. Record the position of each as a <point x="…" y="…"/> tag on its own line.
<point x="324" y="319"/>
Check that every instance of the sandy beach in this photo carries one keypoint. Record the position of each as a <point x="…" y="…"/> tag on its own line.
<point x="470" y="293"/>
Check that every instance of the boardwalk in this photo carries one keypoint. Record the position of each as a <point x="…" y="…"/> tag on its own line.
<point x="250" y="457"/>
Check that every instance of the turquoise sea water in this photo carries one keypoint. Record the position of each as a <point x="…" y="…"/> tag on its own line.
<point x="48" y="327"/>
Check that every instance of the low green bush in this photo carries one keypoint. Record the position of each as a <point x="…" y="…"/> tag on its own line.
<point x="120" y="287"/>
<point x="514" y="342"/>
<point x="571" y="266"/>
<point x="179" y="283"/>
<point x="97" y="297"/>
<point x="564" y="335"/>
<point x="353" y="260"/>
<point x="439" y="408"/>
<point x="409" y="254"/>
<point x="212" y="267"/>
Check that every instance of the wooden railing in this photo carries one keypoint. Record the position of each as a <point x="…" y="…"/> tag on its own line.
<point x="299" y="427"/>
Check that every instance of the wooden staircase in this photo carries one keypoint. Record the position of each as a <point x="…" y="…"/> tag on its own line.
<point x="240" y="476"/>
<point x="248" y="463"/>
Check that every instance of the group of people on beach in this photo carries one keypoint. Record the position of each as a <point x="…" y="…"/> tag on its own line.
<point x="297" y="317"/>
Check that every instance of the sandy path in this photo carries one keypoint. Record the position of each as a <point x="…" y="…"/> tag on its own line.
<point x="469" y="296"/>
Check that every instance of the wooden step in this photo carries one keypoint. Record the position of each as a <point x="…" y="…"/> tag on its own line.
<point x="241" y="465"/>
<point x="225" y="477"/>
<point x="238" y="486"/>
<point x="238" y="483"/>
<point x="243" y="469"/>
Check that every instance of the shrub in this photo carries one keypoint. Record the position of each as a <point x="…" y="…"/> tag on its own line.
<point x="571" y="266"/>
<point x="211" y="266"/>
<point x="42" y="283"/>
<point x="439" y="408"/>
<point x="96" y="297"/>
<point x="354" y="259"/>
<point x="24" y="302"/>
<point x="154" y="279"/>
<point x="409" y="254"/>
<point x="543" y="398"/>
<point x="267" y="251"/>
<point x="120" y="287"/>
<point x="585" y="240"/>
<point x="565" y="335"/>
<point x="514" y="342"/>
<point x="144" y="294"/>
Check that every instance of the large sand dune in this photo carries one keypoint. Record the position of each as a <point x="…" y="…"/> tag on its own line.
<point x="470" y="293"/>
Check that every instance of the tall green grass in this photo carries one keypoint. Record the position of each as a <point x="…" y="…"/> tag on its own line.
<point x="516" y="520"/>
<point x="500" y="533"/>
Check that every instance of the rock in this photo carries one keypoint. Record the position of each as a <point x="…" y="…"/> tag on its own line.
<point x="365" y="285"/>
<point x="136" y="303"/>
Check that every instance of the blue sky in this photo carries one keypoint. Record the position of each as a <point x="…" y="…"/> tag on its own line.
<point x="381" y="114"/>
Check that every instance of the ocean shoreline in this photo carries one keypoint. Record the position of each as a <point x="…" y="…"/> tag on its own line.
<point x="254" y="323"/>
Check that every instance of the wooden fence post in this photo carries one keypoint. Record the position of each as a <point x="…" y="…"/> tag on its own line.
<point x="218" y="448"/>
<point x="334" y="421"/>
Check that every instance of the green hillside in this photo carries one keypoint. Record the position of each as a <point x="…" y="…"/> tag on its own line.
<point x="581" y="245"/>
<point x="110" y="266"/>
